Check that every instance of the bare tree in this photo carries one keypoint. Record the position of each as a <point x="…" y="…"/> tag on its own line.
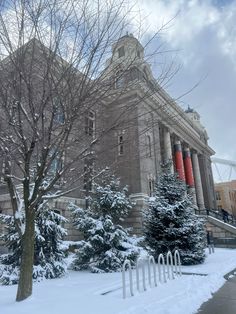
<point x="52" y="82"/>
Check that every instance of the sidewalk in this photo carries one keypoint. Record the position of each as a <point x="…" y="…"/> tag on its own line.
<point x="223" y="301"/>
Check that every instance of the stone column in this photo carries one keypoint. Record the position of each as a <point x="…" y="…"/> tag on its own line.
<point x="167" y="148"/>
<point x="179" y="163"/>
<point x="189" y="174"/>
<point x="198" y="182"/>
<point x="135" y="217"/>
<point x="188" y="168"/>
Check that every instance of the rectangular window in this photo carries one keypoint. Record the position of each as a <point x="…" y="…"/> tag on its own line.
<point x="59" y="115"/>
<point x="218" y="197"/>
<point x="56" y="162"/>
<point x="90" y="123"/>
<point x="88" y="175"/>
<point x="121" y="52"/>
<point x="148" y="146"/>
<point x="3" y="170"/>
<point x="120" y="145"/>
<point x="151" y="186"/>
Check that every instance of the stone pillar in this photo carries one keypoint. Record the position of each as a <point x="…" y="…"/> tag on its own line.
<point x="189" y="174"/>
<point x="179" y="163"/>
<point x="167" y="148"/>
<point x="188" y="168"/>
<point x="135" y="217"/>
<point x="198" y="182"/>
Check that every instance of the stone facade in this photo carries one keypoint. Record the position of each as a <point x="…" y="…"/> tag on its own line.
<point x="223" y="235"/>
<point x="226" y="196"/>
<point x="154" y="129"/>
<point x="147" y="127"/>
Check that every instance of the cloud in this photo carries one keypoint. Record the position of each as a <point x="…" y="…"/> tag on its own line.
<point x="203" y="33"/>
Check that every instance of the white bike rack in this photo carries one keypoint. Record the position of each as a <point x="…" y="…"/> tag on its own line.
<point x="161" y="261"/>
<point x="151" y="260"/>
<point x="211" y="248"/>
<point x="127" y="263"/>
<point x="140" y="262"/>
<point x="177" y="262"/>
<point x="169" y="265"/>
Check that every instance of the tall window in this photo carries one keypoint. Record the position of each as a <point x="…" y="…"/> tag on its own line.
<point x="59" y="115"/>
<point x="120" y="144"/>
<point x="148" y="146"/>
<point x="151" y="184"/>
<point x="90" y="123"/>
<point x="3" y="170"/>
<point x="218" y="197"/>
<point x="56" y="163"/>
<point x="88" y="175"/>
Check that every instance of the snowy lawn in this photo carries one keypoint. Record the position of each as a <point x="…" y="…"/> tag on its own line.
<point x="81" y="292"/>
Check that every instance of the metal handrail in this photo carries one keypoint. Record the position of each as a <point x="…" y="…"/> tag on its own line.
<point x="231" y="219"/>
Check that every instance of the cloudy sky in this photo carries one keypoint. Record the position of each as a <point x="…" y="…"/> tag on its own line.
<point x="202" y="38"/>
<point x="203" y="35"/>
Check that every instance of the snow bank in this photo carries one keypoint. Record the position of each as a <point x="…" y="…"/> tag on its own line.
<point x="81" y="292"/>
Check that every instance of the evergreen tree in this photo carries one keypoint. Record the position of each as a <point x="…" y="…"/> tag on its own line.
<point x="49" y="255"/>
<point x="106" y="243"/>
<point x="170" y="222"/>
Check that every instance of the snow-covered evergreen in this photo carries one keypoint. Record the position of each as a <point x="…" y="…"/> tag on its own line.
<point x="106" y="243"/>
<point x="48" y="252"/>
<point x="170" y="222"/>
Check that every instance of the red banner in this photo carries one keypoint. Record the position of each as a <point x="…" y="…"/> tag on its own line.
<point x="188" y="168"/>
<point x="179" y="164"/>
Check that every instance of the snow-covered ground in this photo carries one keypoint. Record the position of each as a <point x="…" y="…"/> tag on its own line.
<point x="81" y="292"/>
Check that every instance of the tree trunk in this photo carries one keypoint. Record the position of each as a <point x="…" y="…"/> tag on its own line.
<point x="27" y="258"/>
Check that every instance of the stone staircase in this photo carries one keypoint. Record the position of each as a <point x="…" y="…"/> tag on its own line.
<point x="223" y="233"/>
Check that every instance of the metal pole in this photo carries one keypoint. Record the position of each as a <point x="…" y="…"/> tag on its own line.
<point x="169" y="260"/>
<point x="161" y="260"/>
<point x="177" y="263"/>
<point x="127" y="263"/>
<point x="152" y="260"/>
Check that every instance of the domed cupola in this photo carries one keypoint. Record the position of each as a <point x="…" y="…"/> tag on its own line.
<point x="127" y="48"/>
<point x="127" y="62"/>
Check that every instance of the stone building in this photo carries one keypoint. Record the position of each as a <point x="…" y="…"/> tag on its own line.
<point x="146" y="127"/>
<point x="154" y="130"/>
<point x="226" y="196"/>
